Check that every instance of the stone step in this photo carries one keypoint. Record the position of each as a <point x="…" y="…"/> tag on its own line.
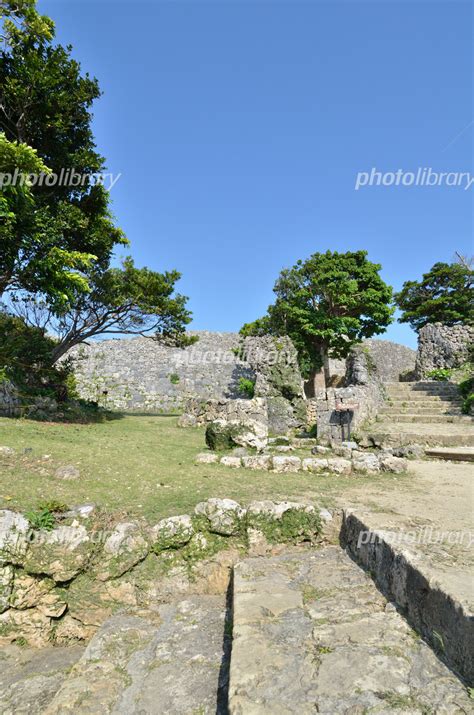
<point x="172" y="660"/>
<point x="431" y="387"/>
<point x="414" y="409"/>
<point x="398" y="434"/>
<point x="427" y="418"/>
<point x="461" y="454"/>
<point x="413" y="563"/>
<point x="422" y="397"/>
<point x="312" y="633"/>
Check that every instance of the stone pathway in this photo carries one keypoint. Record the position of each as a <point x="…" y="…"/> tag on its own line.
<point x="426" y="413"/>
<point x="174" y="660"/>
<point x="30" y="678"/>
<point x="312" y="634"/>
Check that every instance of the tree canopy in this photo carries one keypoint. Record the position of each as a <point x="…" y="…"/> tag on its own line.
<point x="445" y="294"/>
<point x="58" y="239"/>
<point x="326" y="304"/>
<point x="45" y="104"/>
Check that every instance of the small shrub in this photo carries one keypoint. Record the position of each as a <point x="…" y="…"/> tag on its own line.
<point x="247" y="387"/>
<point x="41" y="520"/>
<point x="174" y="378"/>
<point x="440" y="374"/>
<point x="466" y="390"/>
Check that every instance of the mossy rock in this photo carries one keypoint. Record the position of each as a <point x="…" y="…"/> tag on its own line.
<point x="220" y="435"/>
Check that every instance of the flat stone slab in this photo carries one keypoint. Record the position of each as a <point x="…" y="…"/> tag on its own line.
<point x="30" y="678"/>
<point x="312" y="634"/>
<point x="168" y="661"/>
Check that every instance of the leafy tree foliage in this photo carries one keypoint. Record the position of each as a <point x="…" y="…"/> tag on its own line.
<point x="45" y="103"/>
<point x="445" y="295"/>
<point x="126" y="300"/>
<point x="57" y="241"/>
<point x="326" y="304"/>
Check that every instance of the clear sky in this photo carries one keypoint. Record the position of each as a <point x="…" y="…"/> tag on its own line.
<point x="239" y="129"/>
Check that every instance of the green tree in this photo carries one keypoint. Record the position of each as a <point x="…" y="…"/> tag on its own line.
<point x="45" y="103"/>
<point x="126" y="300"/>
<point x="326" y="304"/>
<point x="444" y="295"/>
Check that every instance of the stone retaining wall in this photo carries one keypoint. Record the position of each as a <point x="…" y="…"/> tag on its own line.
<point x="443" y="347"/>
<point x="59" y="586"/>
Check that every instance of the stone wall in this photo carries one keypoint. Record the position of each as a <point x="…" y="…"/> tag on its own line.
<point x="339" y="412"/>
<point x="9" y="400"/>
<point x="443" y="346"/>
<point x="140" y="374"/>
<point x="391" y="360"/>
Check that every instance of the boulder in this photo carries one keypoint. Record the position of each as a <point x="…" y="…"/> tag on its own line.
<point x="397" y="465"/>
<point x="14" y="530"/>
<point x="222" y="435"/>
<point x="61" y="553"/>
<point x="365" y="462"/>
<point x="286" y="464"/>
<point x="28" y="590"/>
<point x="409" y="451"/>
<point x="259" y="461"/>
<point x="339" y="465"/>
<point x="221" y="516"/>
<point x="284" y="521"/>
<point x="171" y="533"/>
<point x="7" y="451"/>
<point x="6" y="586"/>
<point x="230" y="461"/>
<point x="123" y="549"/>
<point x="68" y="472"/>
<point x="315" y="464"/>
<point x="207" y="458"/>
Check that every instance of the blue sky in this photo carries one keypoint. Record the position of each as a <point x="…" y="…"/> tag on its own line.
<point x="239" y="128"/>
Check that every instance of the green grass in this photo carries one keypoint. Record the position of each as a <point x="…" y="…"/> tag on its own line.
<point x="138" y="465"/>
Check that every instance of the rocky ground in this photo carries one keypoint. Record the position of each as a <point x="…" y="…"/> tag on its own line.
<point x="312" y="634"/>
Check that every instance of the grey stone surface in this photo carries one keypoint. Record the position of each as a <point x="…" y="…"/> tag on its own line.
<point x="30" y="678"/>
<point x="13" y="536"/>
<point x="223" y="516"/>
<point x="68" y="472"/>
<point x="313" y="634"/>
<point x="172" y="532"/>
<point x="442" y="346"/>
<point x="421" y="579"/>
<point x="9" y="399"/>
<point x="141" y="374"/>
<point x="286" y="464"/>
<point x="172" y="661"/>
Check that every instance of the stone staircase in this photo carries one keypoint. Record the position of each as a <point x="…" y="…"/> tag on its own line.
<point x="427" y="413"/>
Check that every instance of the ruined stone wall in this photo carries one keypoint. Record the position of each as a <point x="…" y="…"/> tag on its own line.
<point x="362" y="396"/>
<point x="390" y="360"/>
<point x="140" y="374"/>
<point x="443" y="346"/>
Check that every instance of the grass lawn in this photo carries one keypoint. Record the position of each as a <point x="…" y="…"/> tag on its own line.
<point x="141" y="465"/>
